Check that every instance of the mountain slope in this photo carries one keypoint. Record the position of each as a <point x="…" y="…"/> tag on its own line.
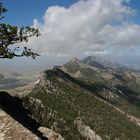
<point x="103" y="64"/>
<point x="120" y="88"/>
<point x="69" y="107"/>
<point x="78" y="69"/>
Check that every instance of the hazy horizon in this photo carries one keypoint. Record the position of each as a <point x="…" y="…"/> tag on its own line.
<point x="76" y="28"/>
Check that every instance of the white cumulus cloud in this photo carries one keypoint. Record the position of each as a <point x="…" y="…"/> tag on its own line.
<point x="86" y="26"/>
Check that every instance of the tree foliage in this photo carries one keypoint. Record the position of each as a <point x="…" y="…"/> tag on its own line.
<point x="10" y="35"/>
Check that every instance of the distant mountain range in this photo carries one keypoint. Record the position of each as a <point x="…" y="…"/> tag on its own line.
<point x="106" y="64"/>
<point x="88" y="99"/>
<point x="103" y="64"/>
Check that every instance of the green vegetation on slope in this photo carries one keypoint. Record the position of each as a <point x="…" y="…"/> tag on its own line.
<point x="120" y="88"/>
<point x="64" y="101"/>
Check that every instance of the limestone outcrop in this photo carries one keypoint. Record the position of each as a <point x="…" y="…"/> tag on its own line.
<point x="85" y="131"/>
<point x="51" y="135"/>
<point x="10" y="129"/>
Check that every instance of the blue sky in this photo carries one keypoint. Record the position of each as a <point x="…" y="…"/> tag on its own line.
<point x="22" y="12"/>
<point x="136" y="5"/>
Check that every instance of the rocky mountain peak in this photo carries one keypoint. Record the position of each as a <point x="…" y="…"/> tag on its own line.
<point x="74" y="60"/>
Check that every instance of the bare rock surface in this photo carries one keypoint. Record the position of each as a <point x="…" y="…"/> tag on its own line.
<point x="10" y="129"/>
<point x="85" y="131"/>
<point x="51" y="135"/>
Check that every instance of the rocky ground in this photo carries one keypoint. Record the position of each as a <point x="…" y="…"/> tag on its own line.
<point x="10" y="129"/>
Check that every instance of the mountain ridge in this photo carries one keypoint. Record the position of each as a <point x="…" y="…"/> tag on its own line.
<point x="78" y="101"/>
<point x="60" y="98"/>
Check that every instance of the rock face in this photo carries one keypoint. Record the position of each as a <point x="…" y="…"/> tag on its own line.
<point x="86" y="131"/>
<point x="51" y="135"/>
<point x="10" y="129"/>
